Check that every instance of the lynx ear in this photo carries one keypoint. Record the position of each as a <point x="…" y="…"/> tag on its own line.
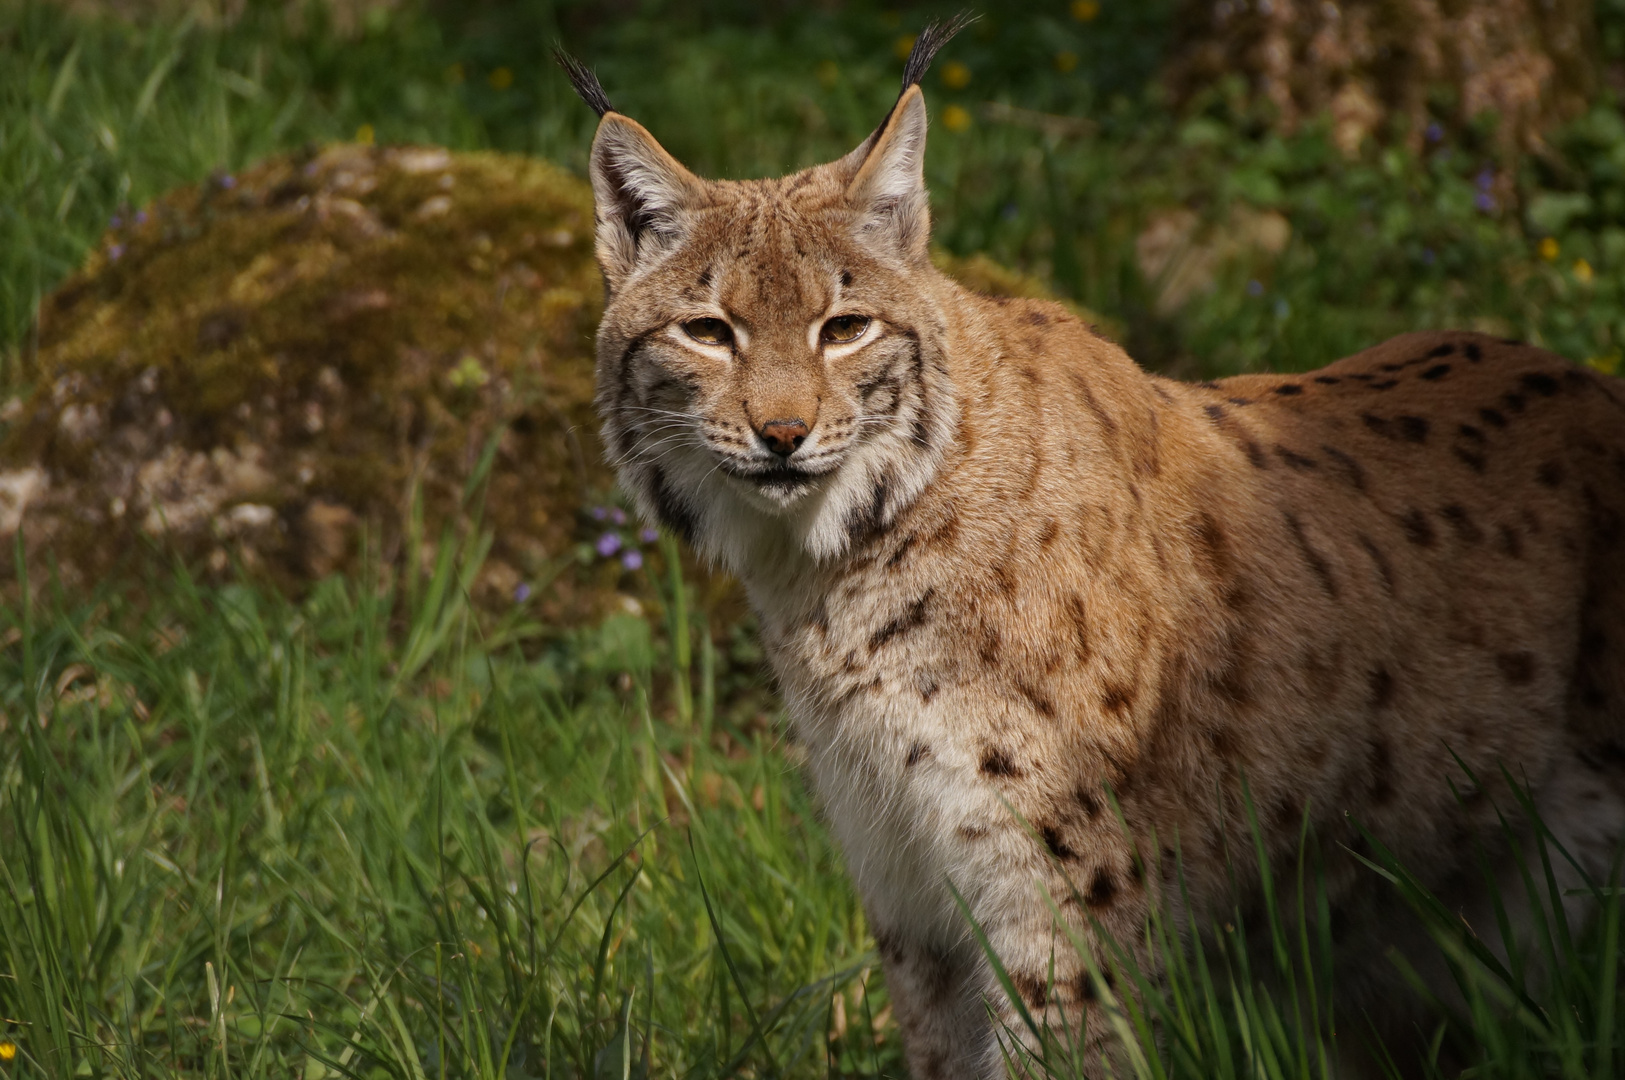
<point x="641" y="196"/>
<point x="888" y="187"/>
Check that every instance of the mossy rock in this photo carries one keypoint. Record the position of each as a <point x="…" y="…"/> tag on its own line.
<point x="257" y="368"/>
<point x="259" y="372"/>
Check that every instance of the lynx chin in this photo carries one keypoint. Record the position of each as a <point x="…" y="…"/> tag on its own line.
<point x="1045" y="622"/>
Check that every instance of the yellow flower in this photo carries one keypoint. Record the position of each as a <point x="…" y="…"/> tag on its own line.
<point x="1085" y="10"/>
<point x="8" y="1049"/>
<point x="903" y="46"/>
<point x="1582" y="272"/>
<point x="1066" y="61"/>
<point x="500" y="79"/>
<point x="955" y="76"/>
<point x="955" y="118"/>
<point x="455" y="74"/>
<point x="364" y="135"/>
<point x="1548" y="248"/>
<point x="1608" y="365"/>
<point x="828" y="73"/>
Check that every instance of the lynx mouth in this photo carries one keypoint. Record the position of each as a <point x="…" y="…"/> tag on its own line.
<point x="779" y="481"/>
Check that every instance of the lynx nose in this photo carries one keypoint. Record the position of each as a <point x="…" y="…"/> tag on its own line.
<point x="784" y="436"/>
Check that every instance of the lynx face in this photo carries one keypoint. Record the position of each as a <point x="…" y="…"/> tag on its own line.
<point x="767" y="352"/>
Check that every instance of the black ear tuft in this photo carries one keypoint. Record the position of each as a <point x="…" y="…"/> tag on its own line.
<point x="931" y="39"/>
<point x="585" y="82"/>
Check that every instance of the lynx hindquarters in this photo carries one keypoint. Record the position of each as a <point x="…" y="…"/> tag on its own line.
<point x="1000" y="568"/>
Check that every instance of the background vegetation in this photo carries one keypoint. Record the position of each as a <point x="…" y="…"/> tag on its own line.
<point x="367" y="833"/>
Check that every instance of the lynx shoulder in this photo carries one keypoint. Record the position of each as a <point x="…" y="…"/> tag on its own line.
<point x="999" y="568"/>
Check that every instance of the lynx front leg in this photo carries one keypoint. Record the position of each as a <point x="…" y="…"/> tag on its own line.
<point x="937" y="997"/>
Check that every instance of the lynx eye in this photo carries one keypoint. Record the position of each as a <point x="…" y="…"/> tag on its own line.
<point x="708" y="331"/>
<point x="844" y="328"/>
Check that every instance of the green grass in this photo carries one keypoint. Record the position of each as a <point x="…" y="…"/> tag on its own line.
<point x="370" y="833"/>
<point x="249" y="837"/>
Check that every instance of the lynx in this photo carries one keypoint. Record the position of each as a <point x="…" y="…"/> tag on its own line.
<point x="1047" y="623"/>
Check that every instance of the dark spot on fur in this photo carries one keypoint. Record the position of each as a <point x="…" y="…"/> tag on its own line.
<point x="1437" y="371"/>
<point x="1540" y="383"/>
<point x="1493" y="417"/>
<point x="902" y="550"/>
<point x="1328" y="380"/>
<point x="1294" y="459"/>
<point x="705" y="278"/>
<point x="1255" y="453"/>
<point x="911" y="618"/>
<point x="1440" y="350"/>
<point x="1048" y="532"/>
<point x="1382" y="688"/>
<point x="1079" y="619"/>
<point x="1036" y="318"/>
<point x="1469" y="458"/>
<point x="916" y="753"/>
<point x="1288" y="389"/>
<point x="1467" y="531"/>
<point x="1550" y="474"/>
<point x="1052" y="840"/>
<point x="1362" y="377"/>
<point x="1412" y="428"/>
<point x="1317" y="562"/>
<point x="996" y="762"/>
<point x="1351" y="468"/>
<point x="973" y="832"/>
<point x="846" y="278"/>
<point x="1107" y="424"/>
<point x="671" y="508"/>
<point x="1037" y="699"/>
<point x="1116" y="698"/>
<point x="1518" y="668"/>
<point x="1382" y="772"/>
<point x="1468" y="431"/>
<point x="1473" y="352"/>
<point x="866" y="520"/>
<point x="1031" y="988"/>
<point x="1384" y="570"/>
<point x="1508" y="541"/>
<point x="1087" y="802"/>
<point x="1214" y="412"/>
<point x="1083" y="985"/>
<point x="1102" y="889"/>
<point x="1386" y="384"/>
<point x="1514" y="401"/>
<point x="1418" y="529"/>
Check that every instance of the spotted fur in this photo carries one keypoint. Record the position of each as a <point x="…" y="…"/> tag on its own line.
<point x="1039" y="616"/>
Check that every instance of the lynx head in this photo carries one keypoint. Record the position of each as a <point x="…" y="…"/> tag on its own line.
<point x="770" y="358"/>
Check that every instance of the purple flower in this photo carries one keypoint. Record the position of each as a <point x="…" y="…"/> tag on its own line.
<point x="227" y="181"/>
<point x="521" y="593"/>
<point x="632" y="558"/>
<point x="1428" y="256"/>
<point x="1484" y="201"/>
<point x="1255" y="288"/>
<point x="599" y="513"/>
<point x="617" y="515"/>
<point x="140" y="217"/>
<point x="115" y="222"/>
<point x="1485" y="180"/>
<point x="648" y="536"/>
<point x="115" y="252"/>
<point x="608" y="544"/>
<point x="1433" y="132"/>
